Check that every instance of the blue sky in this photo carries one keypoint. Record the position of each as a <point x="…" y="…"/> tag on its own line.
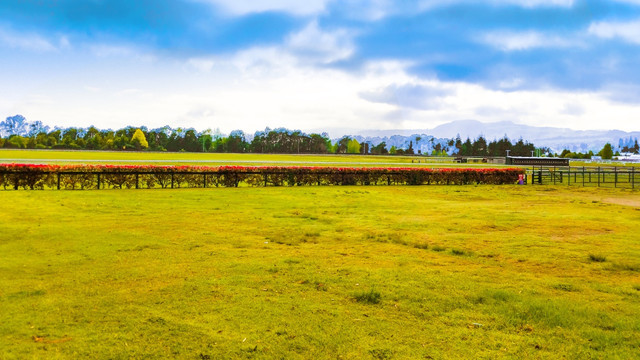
<point x="359" y="64"/>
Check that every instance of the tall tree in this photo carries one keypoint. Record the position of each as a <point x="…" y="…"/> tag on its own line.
<point x="14" y="125"/>
<point x="139" y="141"/>
<point x="353" y="147"/>
<point x="606" y="152"/>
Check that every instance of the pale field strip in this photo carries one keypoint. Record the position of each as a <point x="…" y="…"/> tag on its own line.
<point x="193" y="161"/>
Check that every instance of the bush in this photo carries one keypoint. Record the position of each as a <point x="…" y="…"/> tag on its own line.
<point x="597" y="258"/>
<point x="368" y="297"/>
<point x="29" y="176"/>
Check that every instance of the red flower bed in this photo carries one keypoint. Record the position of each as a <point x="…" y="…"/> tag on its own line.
<point x="30" y="176"/>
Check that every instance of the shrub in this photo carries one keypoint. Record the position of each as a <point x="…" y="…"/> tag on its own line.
<point x="28" y="176"/>
<point x="423" y="246"/>
<point x="368" y="297"/>
<point x="597" y="258"/>
<point x="565" y="287"/>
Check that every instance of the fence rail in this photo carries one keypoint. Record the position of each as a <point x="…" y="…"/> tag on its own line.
<point x="627" y="177"/>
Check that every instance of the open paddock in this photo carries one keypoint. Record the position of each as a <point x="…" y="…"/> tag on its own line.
<point x="215" y="159"/>
<point x="321" y="272"/>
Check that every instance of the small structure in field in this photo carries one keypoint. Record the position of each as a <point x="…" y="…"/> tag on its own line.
<point x="629" y="157"/>
<point x="479" y="160"/>
<point x="538" y="161"/>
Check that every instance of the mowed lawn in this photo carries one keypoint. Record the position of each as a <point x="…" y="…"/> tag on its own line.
<point x="321" y="272"/>
<point x="214" y="159"/>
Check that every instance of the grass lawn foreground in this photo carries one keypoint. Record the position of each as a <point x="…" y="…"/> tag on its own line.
<point x="321" y="272"/>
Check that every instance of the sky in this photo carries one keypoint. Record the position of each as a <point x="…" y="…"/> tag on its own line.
<point x="321" y="64"/>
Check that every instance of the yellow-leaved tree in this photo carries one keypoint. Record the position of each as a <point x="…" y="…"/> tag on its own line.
<point x="353" y="147"/>
<point x="139" y="140"/>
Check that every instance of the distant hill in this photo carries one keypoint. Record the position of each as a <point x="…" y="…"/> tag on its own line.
<point x="554" y="138"/>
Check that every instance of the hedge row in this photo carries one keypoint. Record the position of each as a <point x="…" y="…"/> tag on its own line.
<point x="28" y="176"/>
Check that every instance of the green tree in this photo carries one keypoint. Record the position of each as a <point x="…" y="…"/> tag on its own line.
<point x="236" y="142"/>
<point x="342" y="145"/>
<point x="466" y="149"/>
<point x="409" y="150"/>
<point x="139" y="140"/>
<point x="379" y="149"/>
<point x="16" y="142"/>
<point x="479" y="147"/>
<point x="606" y="152"/>
<point x="353" y="147"/>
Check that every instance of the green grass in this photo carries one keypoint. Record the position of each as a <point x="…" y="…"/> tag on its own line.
<point x="368" y="297"/>
<point x="457" y="272"/>
<point x="214" y="159"/>
<point x="597" y="258"/>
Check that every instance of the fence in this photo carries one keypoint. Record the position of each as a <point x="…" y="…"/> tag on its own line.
<point x="20" y="176"/>
<point x="585" y="176"/>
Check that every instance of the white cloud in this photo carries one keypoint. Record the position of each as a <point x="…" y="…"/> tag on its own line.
<point x="122" y="51"/>
<point x="327" y="46"/>
<point x="633" y="2"/>
<point x="357" y="9"/>
<point x="29" y="42"/>
<point x="276" y="86"/>
<point x="536" y="3"/>
<point x="92" y="89"/>
<point x="372" y="9"/>
<point x="201" y="64"/>
<point x="427" y="4"/>
<point x="519" y="41"/>
<point x="296" y="7"/>
<point x="106" y="50"/>
<point x="628" y="31"/>
<point x="424" y="95"/>
<point x="64" y="43"/>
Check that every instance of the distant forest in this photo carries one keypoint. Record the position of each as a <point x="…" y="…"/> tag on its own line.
<point x="16" y="132"/>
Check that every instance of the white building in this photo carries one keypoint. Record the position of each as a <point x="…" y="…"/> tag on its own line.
<point x="629" y="157"/>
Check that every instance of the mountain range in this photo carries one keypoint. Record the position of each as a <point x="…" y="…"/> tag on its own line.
<point x="554" y="138"/>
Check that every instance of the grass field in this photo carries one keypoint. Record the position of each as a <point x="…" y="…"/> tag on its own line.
<point x="214" y="159"/>
<point x="321" y="272"/>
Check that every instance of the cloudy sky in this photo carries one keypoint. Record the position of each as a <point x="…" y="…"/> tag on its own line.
<point x="311" y="64"/>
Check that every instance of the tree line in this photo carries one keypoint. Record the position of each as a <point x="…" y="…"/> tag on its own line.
<point x="17" y="132"/>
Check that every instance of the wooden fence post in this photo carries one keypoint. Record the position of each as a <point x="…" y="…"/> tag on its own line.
<point x="533" y="175"/>
<point x="633" y="176"/>
<point x="615" y="176"/>
<point x="172" y="180"/>
<point x="98" y="186"/>
<point x="137" y="181"/>
<point x="569" y="177"/>
<point x="58" y="181"/>
<point x="204" y="175"/>
<point x="598" y="173"/>
<point x="583" y="176"/>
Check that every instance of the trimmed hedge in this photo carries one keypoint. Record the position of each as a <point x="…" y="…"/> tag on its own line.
<point x="29" y="176"/>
